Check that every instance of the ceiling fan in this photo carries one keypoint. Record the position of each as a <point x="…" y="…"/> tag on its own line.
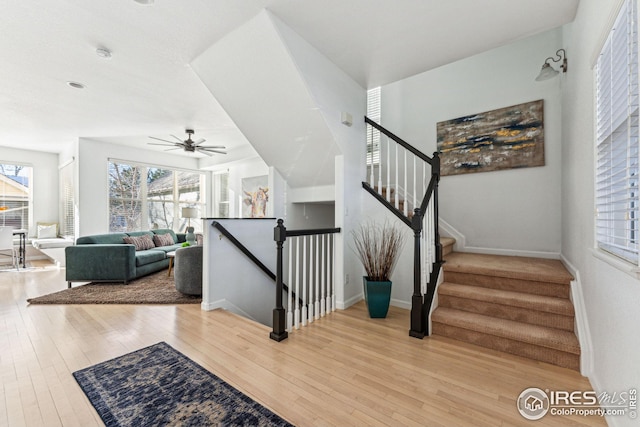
<point x="190" y="145"/>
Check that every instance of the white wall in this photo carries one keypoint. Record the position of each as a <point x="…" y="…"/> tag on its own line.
<point x="302" y="216"/>
<point x="45" y="182"/>
<point x="93" y="183"/>
<point x="611" y="296"/>
<point x="231" y="280"/>
<point x="515" y="210"/>
<point x="334" y="92"/>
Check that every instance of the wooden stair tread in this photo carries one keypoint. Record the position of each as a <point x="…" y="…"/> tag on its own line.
<point x="516" y="299"/>
<point x="512" y="267"/>
<point x="532" y="334"/>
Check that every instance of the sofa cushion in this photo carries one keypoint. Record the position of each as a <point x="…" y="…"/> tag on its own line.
<point x="166" y="231"/>
<point x="163" y="239"/>
<point x="148" y="257"/>
<point x="169" y="248"/>
<point x="111" y="239"/>
<point x="141" y="243"/>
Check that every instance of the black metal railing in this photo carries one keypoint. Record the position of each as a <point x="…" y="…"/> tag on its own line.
<point x="420" y="303"/>
<point x="303" y="308"/>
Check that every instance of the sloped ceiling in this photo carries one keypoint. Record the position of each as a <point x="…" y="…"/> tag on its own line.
<point x="147" y="87"/>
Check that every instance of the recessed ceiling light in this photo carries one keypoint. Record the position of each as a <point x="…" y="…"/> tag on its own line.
<point x="75" y="85"/>
<point x="103" y="52"/>
<point x="144" y="1"/>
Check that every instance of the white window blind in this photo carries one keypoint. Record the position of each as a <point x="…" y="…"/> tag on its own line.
<point x="617" y="138"/>
<point x="67" y="200"/>
<point x="373" y="135"/>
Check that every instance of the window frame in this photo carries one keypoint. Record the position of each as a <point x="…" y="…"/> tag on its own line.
<point x="179" y="224"/>
<point x="29" y="200"/>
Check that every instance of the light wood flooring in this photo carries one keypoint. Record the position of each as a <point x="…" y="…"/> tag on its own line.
<point x="345" y="369"/>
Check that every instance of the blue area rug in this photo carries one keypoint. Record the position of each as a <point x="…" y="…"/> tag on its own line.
<point x="159" y="386"/>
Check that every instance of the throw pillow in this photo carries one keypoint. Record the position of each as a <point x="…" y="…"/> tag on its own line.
<point x="163" y="239"/>
<point x="140" y="242"/>
<point x="47" y="231"/>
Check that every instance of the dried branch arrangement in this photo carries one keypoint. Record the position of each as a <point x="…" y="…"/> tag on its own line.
<point x="378" y="247"/>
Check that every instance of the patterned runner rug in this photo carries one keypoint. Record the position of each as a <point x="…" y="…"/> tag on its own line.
<point x="159" y="386"/>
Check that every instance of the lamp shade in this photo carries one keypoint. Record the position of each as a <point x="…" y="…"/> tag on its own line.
<point x="547" y="72"/>
<point x="189" y="213"/>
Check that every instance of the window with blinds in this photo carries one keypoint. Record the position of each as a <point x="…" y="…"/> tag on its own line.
<point x="373" y="135"/>
<point x="15" y="195"/>
<point x="67" y="200"/>
<point x="617" y="153"/>
<point x="221" y="195"/>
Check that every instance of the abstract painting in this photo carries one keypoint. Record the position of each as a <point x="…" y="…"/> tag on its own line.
<point x="255" y="195"/>
<point x="510" y="137"/>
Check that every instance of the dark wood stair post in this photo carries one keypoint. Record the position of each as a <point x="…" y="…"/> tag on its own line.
<point x="279" y="332"/>
<point x="417" y="316"/>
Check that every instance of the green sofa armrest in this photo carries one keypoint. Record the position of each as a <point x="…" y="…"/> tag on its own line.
<point x="100" y="262"/>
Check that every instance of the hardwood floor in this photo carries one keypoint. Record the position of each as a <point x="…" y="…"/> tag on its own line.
<point x="344" y="369"/>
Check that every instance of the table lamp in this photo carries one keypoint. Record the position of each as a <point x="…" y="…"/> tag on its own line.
<point x="190" y="213"/>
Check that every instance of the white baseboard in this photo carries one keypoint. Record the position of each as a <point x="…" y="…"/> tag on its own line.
<point x="400" y="303"/>
<point x="225" y="305"/>
<point x="343" y="305"/>
<point x="582" y="324"/>
<point x="460" y="245"/>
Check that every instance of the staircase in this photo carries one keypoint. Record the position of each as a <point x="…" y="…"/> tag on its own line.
<point x="513" y="304"/>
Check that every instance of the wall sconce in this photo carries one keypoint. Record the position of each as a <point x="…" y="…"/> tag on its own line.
<point x="547" y="71"/>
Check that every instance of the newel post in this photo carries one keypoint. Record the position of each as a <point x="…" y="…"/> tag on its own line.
<point x="417" y="318"/>
<point x="279" y="332"/>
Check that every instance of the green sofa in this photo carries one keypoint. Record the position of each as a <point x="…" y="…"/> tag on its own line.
<point x="107" y="258"/>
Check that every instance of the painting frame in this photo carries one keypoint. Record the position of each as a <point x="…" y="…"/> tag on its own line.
<point x="255" y="196"/>
<point x="505" y="138"/>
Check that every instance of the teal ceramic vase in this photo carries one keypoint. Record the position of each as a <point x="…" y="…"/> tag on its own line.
<point x="377" y="295"/>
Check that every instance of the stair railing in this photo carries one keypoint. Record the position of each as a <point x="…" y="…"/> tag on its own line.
<point x="309" y="256"/>
<point x="404" y="176"/>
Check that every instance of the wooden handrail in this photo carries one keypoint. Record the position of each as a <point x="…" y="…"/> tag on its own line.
<point x="399" y="140"/>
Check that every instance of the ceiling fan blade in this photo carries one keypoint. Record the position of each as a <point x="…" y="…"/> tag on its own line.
<point x="198" y="142"/>
<point x="174" y="148"/>
<point x="208" y="150"/>
<point x="181" y="141"/>
<point x="214" y="146"/>
<point x="163" y="140"/>
<point x="171" y="144"/>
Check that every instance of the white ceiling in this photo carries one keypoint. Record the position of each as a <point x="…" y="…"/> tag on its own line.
<point x="148" y="88"/>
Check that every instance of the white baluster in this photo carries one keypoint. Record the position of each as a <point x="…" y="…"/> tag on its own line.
<point x="311" y="277"/>
<point x="317" y="287"/>
<point x="290" y="293"/>
<point x="296" y="313"/>
<point x="304" y="281"/>
<point x="323" y="278"/>
<point x="388" y="166"/>
<point x="416" y="203"/>
<point x="406" y="204"/>
<point x="371" y="174"/>
<point x="329" y="273"/>
<point x="397" y="181"/>
<point x="380" y="167"/>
